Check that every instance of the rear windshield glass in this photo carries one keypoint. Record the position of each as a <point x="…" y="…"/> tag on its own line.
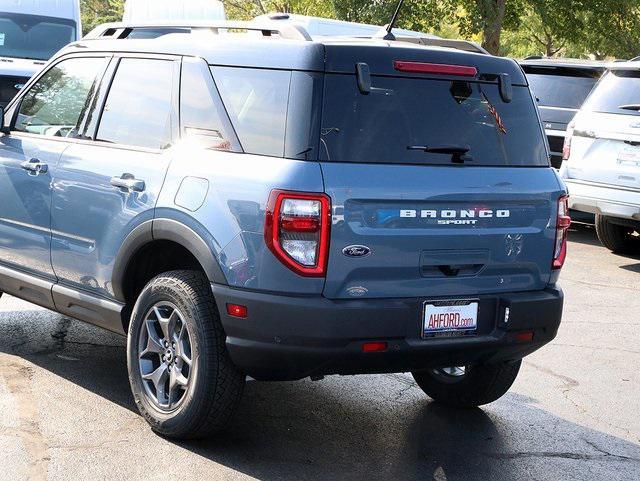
<point x="616" y="89"/>
<point x="560" y="90"/>
<point x="403" y="120"/>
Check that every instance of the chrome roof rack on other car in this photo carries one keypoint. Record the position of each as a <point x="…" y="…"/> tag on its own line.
<point x="122" y="30"/>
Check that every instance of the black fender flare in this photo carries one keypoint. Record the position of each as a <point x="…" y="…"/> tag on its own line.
<point x="169" y="230"/>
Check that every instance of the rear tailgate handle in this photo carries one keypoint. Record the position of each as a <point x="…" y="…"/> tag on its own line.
<point x="453" y="263"/>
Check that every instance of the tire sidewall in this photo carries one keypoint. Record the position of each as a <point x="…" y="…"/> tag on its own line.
<point x="152" y="294"/>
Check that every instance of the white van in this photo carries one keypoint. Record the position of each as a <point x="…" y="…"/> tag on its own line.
<point x="168" y="10"/>
<point x="31" y="31"/>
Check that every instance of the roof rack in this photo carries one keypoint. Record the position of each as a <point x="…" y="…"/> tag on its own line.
<point x="122" y="30"/>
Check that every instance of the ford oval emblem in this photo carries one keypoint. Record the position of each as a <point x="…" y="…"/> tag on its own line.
<point x="18" y="86"/>
<point x="356" y="251"/>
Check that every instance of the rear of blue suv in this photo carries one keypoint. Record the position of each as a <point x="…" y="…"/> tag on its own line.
<point x="335" y="207"/>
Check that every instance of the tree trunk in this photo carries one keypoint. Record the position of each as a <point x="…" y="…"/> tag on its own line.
<point x="492" y="12"/>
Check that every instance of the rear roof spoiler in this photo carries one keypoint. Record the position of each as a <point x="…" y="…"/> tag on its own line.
<point x="122" y="30"/>
<point x="465" y="45"/>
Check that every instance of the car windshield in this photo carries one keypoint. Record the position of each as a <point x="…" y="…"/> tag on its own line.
<point x="426" y="121"/>
<point x="618" y="88"/>
<point x="33" y="36"/>
<point x="556" y="88"/>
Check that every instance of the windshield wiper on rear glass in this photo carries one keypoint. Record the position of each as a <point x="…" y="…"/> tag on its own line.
<point x="458" y="152"/>
<point x="630" y="107"/>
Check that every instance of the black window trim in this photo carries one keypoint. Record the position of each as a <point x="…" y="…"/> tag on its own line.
<point x="206" y="67"/>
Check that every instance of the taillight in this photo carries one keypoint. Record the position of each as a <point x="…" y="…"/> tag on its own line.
<point x="566" y="148"/>
<point x="297" y="231"/>
<point x="563" y="222"/>
<point x="435" y="68"/>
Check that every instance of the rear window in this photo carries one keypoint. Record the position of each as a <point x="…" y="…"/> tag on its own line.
<point x="617" y="88"/>
<point x="257" y="102"/>
<point x="556" y="89"/>
<point x="402" y="115"/>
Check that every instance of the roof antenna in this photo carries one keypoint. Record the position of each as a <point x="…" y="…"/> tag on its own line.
<point x="389" y="28"/>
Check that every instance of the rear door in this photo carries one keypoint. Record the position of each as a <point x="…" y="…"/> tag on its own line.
<point x="605" y="146"/>
<point x="105" y="187"/>
<point x="446" y="185"/>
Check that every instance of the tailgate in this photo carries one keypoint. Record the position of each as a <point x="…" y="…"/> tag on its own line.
<point x="430" y="231"/>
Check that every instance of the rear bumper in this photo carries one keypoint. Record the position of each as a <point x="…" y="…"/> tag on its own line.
<point x="287" y="338"/>
<point x="602" y="199"/>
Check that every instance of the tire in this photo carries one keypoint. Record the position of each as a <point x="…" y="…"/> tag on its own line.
<point x="480" y="384"/>
<point x="205" y="387"/>
<point x="616" y="238"/>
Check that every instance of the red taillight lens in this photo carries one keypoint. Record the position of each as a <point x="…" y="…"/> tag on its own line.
<point x="436" y="68"/>
<point x="563" y="223"/>
<point x="297" y="231"/>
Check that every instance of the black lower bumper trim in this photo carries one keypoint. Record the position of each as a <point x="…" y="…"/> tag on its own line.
<point x="289" y="337"/>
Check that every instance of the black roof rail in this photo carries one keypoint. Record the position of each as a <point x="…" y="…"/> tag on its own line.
<point x="122" y="30"/>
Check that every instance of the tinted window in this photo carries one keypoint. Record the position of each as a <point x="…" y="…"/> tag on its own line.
<point x="202" y="113"/>
<point x="138" y="107"/>
<point x="257" y="104"/>
<point x="54" y="105"/>
<point x="33" y="36"/>
<point x="558" y="90"/>
<point x="616" y="89"/>
<point x="405" y="112"/>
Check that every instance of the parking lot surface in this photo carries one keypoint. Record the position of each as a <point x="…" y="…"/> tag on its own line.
<point x="66" y="411"/>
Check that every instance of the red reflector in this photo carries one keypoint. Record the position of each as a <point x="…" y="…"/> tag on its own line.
<point x="374" y="347"/>
<point x="526" y="336"/>
<point x="237" y="310"/>
<point x="437" y="68"/>
<point x="300" y="224"/>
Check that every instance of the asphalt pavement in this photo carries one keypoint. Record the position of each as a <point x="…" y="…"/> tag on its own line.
<point x="66" y="412"/>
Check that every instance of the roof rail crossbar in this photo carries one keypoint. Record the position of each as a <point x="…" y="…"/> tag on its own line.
<point x="268" y="29"/>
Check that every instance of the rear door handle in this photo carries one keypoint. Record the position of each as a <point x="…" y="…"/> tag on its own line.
<point x="35" y="166"/>
<point x="128" y="182"/>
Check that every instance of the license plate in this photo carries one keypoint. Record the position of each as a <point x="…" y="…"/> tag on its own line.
<point x="629" y="157"/>
<point x="443" y="318"/>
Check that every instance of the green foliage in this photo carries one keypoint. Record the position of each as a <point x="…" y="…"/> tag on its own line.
<point x="597" y="28"/>
<point x="95" y="12"/>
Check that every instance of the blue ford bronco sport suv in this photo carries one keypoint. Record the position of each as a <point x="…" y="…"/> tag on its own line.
<point x="264" y="204"/>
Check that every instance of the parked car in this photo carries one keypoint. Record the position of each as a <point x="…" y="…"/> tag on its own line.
<point x="561" y="86"/>
<point x="602" y="158"/>
<point x="280" y="207"/>
<point x="31" y="31"/>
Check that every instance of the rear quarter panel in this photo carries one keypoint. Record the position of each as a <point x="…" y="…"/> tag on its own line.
<point x="223" y="197"/>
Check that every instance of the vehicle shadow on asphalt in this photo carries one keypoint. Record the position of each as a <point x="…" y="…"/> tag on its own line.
<point x="367" y="427"/>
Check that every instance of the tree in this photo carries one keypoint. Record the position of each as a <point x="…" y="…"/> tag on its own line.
<point x="95" y="12"/>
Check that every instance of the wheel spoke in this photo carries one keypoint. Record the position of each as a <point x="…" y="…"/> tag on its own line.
<point x="176" y="378"/>
<point x="153" y="344"/>
<point x="164" y="323"/>
<point x="159" y="379"/>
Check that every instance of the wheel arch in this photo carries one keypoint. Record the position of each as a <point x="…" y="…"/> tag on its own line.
<point x="166" y="233"/>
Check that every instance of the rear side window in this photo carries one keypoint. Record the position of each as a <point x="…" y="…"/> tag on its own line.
<point x="561" y="88"/>
<point x="138" y="109"/>
<point x="618" y="88"/>
<point x="55" y="104"/>
<point x="257" y="102"/>
<point x="404" y="117"/>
